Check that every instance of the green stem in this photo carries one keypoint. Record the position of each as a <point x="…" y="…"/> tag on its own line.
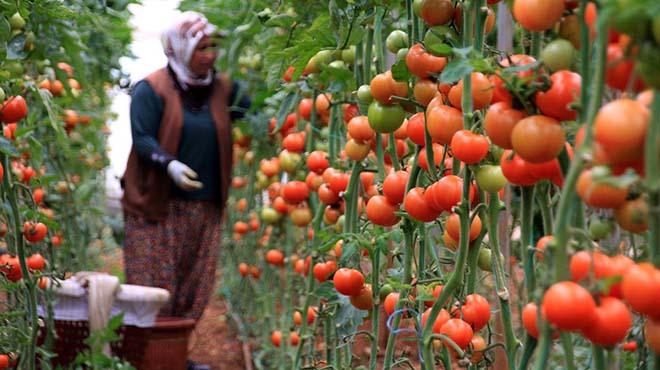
<point x="380" y="156"/>
<point x="456" y="278"/>
<point x="585" y="51"/>
<point x="494" y="208"/>
<point x="409" y="246"/>
<point x="367" y="54"/>
<point x="537" y="43"/>
<point x="528" y="351"/>
<point x="357" y="67"/>
<point x="375" y="268"/>
<point x="567" y="344"/>
<point x="653" y="178"/>
<point x="378" y="39"/>
<point x="351" y="197"/>
<point x="392" y="150"/>
<point x="309" y="145"/>
<point x="526" y="235"/>
<point x="543" y="200"/>
<point x="599" y="357"/>
<point x="473" y="258"/>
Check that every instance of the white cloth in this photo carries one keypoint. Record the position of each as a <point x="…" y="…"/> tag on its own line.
<point x="101" y="291"/>
<point x="179" y="42"/>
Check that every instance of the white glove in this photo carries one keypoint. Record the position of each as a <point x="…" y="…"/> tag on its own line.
<point x="183" y="176"/>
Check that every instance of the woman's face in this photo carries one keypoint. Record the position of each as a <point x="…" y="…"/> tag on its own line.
<point x="203" y="56"/>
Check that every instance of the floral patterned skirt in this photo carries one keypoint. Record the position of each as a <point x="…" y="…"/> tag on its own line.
<point x="179" y="254"/>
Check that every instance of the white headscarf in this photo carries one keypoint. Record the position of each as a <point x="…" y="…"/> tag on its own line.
<point x="179" y="43"/>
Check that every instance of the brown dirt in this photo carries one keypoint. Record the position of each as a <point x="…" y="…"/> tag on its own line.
<point x="214" y="341"/>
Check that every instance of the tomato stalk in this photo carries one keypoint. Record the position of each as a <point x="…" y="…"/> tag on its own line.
<point x="409" y="246"/>
<point x="375" y="311"/>
<point x="359" y="49"/>
<point x="410" y="23"/>
<point x="456" y="278"/>
<point x="309" y="145"/>
<point x="567" y="344"/>
<point x="380" y="156"/>
<point x="653" y="178"/>
<point x="333" y="147"/>
<point x="526" y="231"/>
<point x="392" y="150"/>
<point x="475" y="248"/>
<point x="378" y="39"/>
<point x="27" y="361"/>
<point x="369" y="43"/>
<point x="543" y="201"/>
<point x="494" y="208"/>
<point x="537" y="42"/>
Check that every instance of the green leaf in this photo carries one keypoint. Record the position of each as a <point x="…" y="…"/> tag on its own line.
<point x="337" y="79"/>
<point x="285" y="108"/>
<point x="348" y="318"/>
<point x="441" y="50"/>
<point x="400" y="71"/>
<point x="481" y="65"/>
<point x="16" y="47"/>
<point x="8" y="147"/>
<point x="280" y="20"/>
<point x="348" y="250"/>
<point x="326" y="290"/>
<point x="456" y="70"/>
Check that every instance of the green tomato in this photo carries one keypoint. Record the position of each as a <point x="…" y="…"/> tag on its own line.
<point x="417" y="7"/>
<point x="269" y="215"/>
<point x="339" y="64"/>
<point x="16" y="22"/>
<point x="484" y="259"/>
<point x="385" y="290"/>
<point x="339" y="225"/>
<point x="490" y="178"/>
<point x="599" y="228"/>
<point x="321" y="58"/>
<point x="396" y="40"/>
<point x="289" y="162"/>
<point x="348" y="55"/>
<point x="29" y="41"/>
<point x="558" y="55"/>
<point x="401" y="54"/>
<point x="364" y="94"/>
<point x="14" y="68"/>
<point x="385" y="118"/>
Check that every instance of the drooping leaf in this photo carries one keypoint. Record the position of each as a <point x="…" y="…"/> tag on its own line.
<point x="456" y="70"/>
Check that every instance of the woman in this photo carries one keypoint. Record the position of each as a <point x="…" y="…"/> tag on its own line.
<point x="179" y="169"/>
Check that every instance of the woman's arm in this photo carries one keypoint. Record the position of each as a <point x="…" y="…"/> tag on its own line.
<point x="239" y="102"/>
<point x="146" y="114"/>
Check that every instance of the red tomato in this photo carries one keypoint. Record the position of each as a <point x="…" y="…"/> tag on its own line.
<point x="339" y="182"/>
<point x="476" y="311"/>
<point x="620" y="128"/>
<point x="611" y="324"/>
<point x="295" y="192"/>
<point x="294" y="142"/>
<point x="437" y="157"/>
<point x="458" y="331"/>
<point x="538" y="139"/>
<point x="305" y="108"/>
<point x="599" y="194"/>
<point x="423" y="64"/>
<point x="568" y="306"/>
<point x="652" y="335"/>
<point x="440" y="320"/>
<point x="381" y="212"/>
<point x="348" y="281"/>
<point x="582" y="265"/>
<point x="469" y="147"/>
<point x="34" y="232"/>
<point x="453" y="227"/>
<point x="443" y="122"/>
<point x="499" y="122"/>
<point x="640" y="287"/>
<point x="359" y="129"/>
<point x="363" y="300"/>
<point x="390" y="302"/>
<point x="13" y="109"/>
<point x="564" y="90"/>
<point x="275" y="257"/>
<point x="516" y="170"/>
<point x="415" y="129"/>
<point x="326" y="195"/>
<point x="416" y="206"/>
<point x="394" y="186"/>
<point x="482" y="92"/>
<point x="620" y="69"/>
<point x="538" y="15"/>
<point x="444" y="194"/>
<point x="317" y="161"/>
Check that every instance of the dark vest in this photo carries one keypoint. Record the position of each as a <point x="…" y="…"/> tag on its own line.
<point x="147" y="188"/>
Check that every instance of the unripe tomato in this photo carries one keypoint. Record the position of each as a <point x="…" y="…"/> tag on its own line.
<point x="633" y="215"/>
<point x="396" y="40"/>
<point x="490" y="178"/>
<point x="558" y="55"/>
<point x="385" y="118"/>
